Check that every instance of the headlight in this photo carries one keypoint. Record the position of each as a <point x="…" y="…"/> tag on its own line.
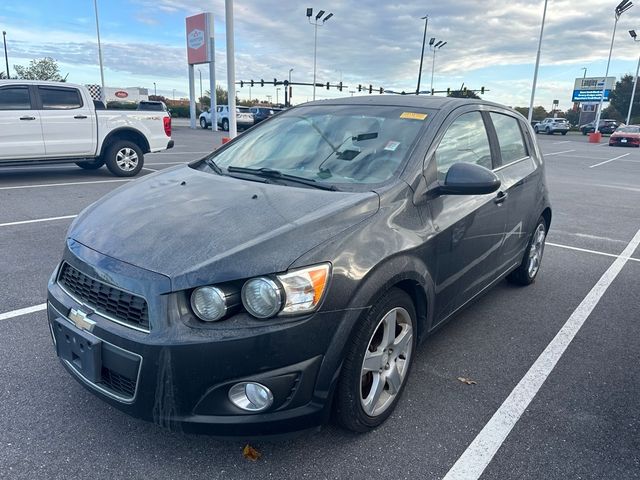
<point x="262" y="297"/>
<point x="209" y="303"/>
<point x="304" y="288"/>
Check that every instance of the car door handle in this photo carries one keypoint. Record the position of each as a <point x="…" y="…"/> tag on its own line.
<point x="79" y="117"/>
<point x="27" y="118"/>
<point x="500" y="198"/>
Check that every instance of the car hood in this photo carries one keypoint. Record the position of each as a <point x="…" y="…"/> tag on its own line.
<point x="199" y="228"/>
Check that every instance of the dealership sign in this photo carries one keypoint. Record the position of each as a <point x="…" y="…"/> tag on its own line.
<point x="199" y="31"/>
<point x="591" y="89"/>
<point x="121" y="94"/>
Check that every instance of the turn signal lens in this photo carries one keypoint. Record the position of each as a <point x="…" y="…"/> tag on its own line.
<point x="304" y="288"/>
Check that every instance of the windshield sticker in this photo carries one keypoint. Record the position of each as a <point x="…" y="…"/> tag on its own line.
<point x="391" y="146"/>
<point x="414" y="115"/>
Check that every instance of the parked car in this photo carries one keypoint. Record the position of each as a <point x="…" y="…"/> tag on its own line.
<point x="260" y="113"/>
<point x="52" y="122"/>
<point x="244" y="118"/>
<point x="626" y="136"/>
<point x="605" y="126"/>
<point x="153" y="106"/>
<point x="301" y="264"/>
<point x="553" y="125"/>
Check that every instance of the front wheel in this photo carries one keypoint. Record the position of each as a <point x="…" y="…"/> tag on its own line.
<point x="377" y="364"/>
<point x="535" y="129"/>
<point x="124" y="159"/>
<point x="564" y="133"/>
<point x="225" y="124"/>
<point x="549" y="132"/>
<point x="94" y="165"/>
<point x="526" y="273"/>
<point x="203" y="123"/>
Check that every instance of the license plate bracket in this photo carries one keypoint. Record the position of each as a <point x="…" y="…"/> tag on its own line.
<point x="81" y="349"/>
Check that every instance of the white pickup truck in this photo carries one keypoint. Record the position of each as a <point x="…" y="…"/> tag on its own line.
<point x="52" y="122"/>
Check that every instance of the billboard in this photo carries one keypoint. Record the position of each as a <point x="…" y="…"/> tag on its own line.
<point x="590" y="89"/>
<point x="199" y="31"/>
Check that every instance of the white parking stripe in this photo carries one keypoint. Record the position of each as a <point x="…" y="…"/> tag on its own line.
<point x="23" y="311"/>
<point x="479" y="454"/>
<point x="170" y="152"/>
<point x="16" y="187"/>
<point x="150" y="169"/>
<point x="37" y="220"/>
<point x="557" y="153"/>
<point x="559" y="143"/>
<point x="586" y="250"/>
<point x="610" y="160"/>
<point x="167" y="163"/>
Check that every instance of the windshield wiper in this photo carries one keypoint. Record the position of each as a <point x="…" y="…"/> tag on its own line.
<point x="272" y="173"/>
<point x="214" y="166"/>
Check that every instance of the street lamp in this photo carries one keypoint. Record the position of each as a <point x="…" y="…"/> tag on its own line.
<point x="6" y="57"/>
<point x="634" y="36"/>
<point x="535" y="71"/>
<point x="424" y="38"/>
<point x="434" y="48"/>
<point x="585" y="72"/>
<point x="622" y="7"/>
<point x="103" y="95"/>
<point x="316" y="23"/>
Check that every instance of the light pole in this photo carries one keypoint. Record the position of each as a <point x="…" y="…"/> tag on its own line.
<point x="155" y="92"/>
<point x="434" y="48"/>
<point x="424" y="38"/>
<point x="6" y="57"/>
<point x="200" y="73"/>
<point x="622" y="7"/>
<point x="585" y="72"/>
<point x="277" y="95"/>
<point x="316" y="23"/>
<point x="635" y="80"/>
<point x="535" y="71"/>
<point x="103" y="94"/>
<point x="287" y="98"/>
<point x="174" y="93"/>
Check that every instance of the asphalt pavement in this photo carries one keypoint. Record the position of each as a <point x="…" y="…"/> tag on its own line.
<point x="575" y="394"/>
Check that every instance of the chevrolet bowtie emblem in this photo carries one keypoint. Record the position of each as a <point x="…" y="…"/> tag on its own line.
<point x="80" y="320"/>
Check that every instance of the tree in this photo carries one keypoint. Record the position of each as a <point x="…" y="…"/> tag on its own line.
<point x="572" y="116"/>
<point x="539" y="112"/>
<point x="40" y="69"/>
<point x="612" y="113"/>
<point x="621" y="96"/>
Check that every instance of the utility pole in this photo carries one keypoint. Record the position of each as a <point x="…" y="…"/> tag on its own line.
<point x="6" y="57"/>
<point x="424" y="38"/>
<point x="535" y="72"/>
<point x="103" y="94"/>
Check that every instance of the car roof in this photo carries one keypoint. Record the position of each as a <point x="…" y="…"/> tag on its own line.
<point x="40" y="82"/>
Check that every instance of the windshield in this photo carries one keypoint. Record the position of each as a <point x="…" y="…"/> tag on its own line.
<point x="629" y="129"/>
<point x="350" y="144"/>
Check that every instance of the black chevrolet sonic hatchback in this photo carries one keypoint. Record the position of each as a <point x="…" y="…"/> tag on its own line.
<point x="291" y="273"/>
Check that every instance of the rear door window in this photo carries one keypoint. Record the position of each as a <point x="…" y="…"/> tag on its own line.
<point x="15" y="98"/>
<point x="510" y="139"/>
<point x="57" y="98"/>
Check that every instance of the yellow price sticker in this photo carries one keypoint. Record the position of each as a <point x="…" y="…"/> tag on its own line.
<point x="414" y="115"/>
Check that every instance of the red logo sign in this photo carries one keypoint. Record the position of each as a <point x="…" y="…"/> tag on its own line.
<point x="198" y="38"/>
<point x="121" y="94"/>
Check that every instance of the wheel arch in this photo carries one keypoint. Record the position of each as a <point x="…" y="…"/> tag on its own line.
<point x="125" y="133"/>
<point x="546" y="215"/>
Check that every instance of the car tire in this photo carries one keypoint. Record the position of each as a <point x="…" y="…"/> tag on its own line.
<point x="203" y="123"/>
<point x="549" y="132"/>
<point x="535" y="129"/>
<point x="124" y="158"/>
<point x="584" y="132"/>
<point x="371" y="368"/>
<point x="94" y="165"/>
<point x="225" y="124"/>
<point x="564" y="133"/>
<point x="526" y="273"/>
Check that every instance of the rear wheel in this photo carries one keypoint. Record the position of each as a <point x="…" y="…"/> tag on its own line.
<point x="225" y="124"/>
<point x="526" y="273"/>
<point x="203" y="123"/>
<point x="377" y="364"/>
<point x="549" y="132"/>
<point x="564" y="133"/>
<point x="94" y="165"/>
<point x="124" y="158"/>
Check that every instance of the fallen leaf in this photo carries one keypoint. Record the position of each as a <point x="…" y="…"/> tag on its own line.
<point x="251" y="453"/>
<point x="468" y="381"/>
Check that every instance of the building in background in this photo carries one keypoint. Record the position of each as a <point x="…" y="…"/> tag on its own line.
<point x="116" y="94"/>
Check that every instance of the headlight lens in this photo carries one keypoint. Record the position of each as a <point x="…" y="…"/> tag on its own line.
<point x="262" y="297"/>
<point x="208" y="303"/>
<point x="304" y="288"/>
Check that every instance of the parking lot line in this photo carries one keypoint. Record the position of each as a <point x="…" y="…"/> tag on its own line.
<point x="482" y="449"/>
<point x="23" y="311"/>
<point x="559" y="143"/>
<point x="150" y="169"/>
<point x="558" y="153"/>
<point x="586" y="250"/>
<point x="16" y="187"/>
<point x="37" y="220"/>
<point x="180" y="153"/>
<point x="167" y="163"/>
<point x="610" y="160"/>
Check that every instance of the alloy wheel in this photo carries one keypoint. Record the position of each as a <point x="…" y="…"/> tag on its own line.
<point x="127" y="159"/>
<point x="536" y="250"/>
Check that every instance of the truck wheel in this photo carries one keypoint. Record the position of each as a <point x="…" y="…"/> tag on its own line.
<point x="96" y="164"/>
<point x="225" y="124"/>
<point x="124" y="158"/>
<point x="203" y="123"/>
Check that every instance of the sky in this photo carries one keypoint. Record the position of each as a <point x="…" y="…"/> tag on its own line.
<point x="492" y="43"/>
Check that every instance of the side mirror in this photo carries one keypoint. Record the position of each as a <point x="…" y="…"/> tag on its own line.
<point x="469" y="179"/>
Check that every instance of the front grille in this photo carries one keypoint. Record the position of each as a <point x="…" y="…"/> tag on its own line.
<point x="111" y="301"/>
<point x="118" y="383"/>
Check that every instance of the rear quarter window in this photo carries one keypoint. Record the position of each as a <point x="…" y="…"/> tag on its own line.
<point x="510" y="138"/>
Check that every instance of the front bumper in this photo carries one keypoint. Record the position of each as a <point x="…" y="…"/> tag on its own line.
<point x="179" y="376"/>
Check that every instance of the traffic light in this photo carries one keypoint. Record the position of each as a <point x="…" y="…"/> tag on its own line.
<point x="432" y="91"/>
<point x="370" y="88"/>
<point x="482" y="91"/>
<point x="275" y="82"/>
<point x="241" y="84"/>
<point x="340" y="86"/>
<point x="252" y="82"/>
<point x="381" y="90"/>
<point x="262" y="82"/>
<point x="359" y="87"/>
<point x="327" y="85"/>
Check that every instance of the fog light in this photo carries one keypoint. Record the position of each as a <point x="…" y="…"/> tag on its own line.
<point x="252" y="397"/>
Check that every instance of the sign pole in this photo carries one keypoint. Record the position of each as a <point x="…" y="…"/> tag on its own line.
<point x="231" y="69"/>
<point x="535" y="74"/>
<point x="633" y="93"/>
<point x="212" y="77"/>
<point x="192" y="99"/>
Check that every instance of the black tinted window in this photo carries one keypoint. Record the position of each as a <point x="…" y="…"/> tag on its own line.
<point x="510" y="138"/>
<point x="54" y="98"/>
<point x="14" y="98"/>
